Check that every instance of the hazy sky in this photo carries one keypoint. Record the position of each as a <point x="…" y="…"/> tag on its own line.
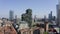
<point x="39" y="7"/>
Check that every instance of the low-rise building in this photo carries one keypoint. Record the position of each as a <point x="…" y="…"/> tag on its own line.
<point x="23" y="25"/>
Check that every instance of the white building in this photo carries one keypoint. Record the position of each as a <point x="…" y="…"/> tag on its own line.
<point x="23" y="25"/>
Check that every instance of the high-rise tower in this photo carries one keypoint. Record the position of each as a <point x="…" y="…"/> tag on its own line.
<point x="58" y="13"/>
<point x="50" y="16"/>
<point x="11" y="15"/>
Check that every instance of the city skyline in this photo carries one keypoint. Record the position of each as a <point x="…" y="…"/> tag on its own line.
<point x="39" y="7"/>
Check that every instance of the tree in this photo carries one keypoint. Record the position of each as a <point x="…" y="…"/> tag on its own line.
<point x="27" y="17"/>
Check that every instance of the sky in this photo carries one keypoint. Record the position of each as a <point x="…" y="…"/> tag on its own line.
<point x="39" y="7"/>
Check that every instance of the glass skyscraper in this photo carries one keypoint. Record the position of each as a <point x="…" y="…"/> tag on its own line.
<point x="11" y="15"/>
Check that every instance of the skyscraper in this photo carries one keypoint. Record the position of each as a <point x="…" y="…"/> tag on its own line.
<point x="58" y="14"/>
<point x="15" y="20"/>
<point x="11" y="15"/>
<point x="35" y="18"/>
<point x="50" y="16"/>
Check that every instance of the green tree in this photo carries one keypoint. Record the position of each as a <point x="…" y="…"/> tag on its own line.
<point x="27" y="17"/>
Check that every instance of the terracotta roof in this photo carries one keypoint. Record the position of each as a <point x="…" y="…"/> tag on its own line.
<point x="7" y="29"/>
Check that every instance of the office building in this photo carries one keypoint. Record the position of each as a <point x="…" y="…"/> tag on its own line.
<point x="58" y="13"/>
<point x="15" y="20"/>
<point x="11" y="15"/>
<point x="50" y="17"/>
